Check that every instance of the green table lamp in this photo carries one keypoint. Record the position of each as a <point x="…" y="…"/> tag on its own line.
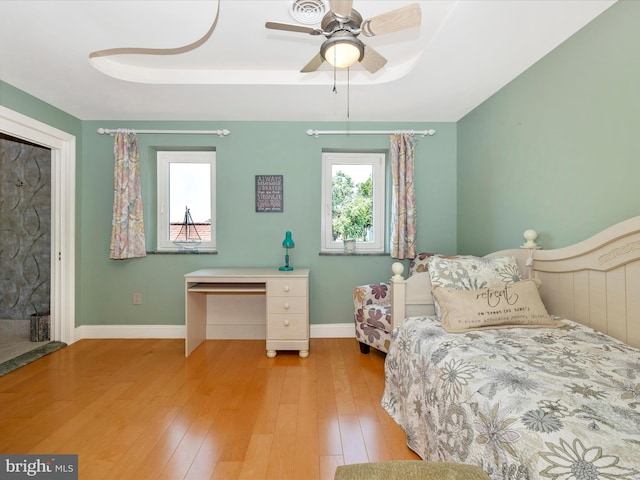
<point x="287" y="243"/>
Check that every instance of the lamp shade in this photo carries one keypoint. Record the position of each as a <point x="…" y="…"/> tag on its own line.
<point x="342" y="50"/>
<point x="288" y="241"/>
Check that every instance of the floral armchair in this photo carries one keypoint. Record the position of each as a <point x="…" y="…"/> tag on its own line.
<point x="372" y="309"/>
<point x="372" y="314"/>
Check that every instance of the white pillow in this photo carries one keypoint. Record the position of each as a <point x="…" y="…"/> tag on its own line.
<point x="466" y="272"/>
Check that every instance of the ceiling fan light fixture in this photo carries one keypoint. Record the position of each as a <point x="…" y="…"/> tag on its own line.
<point x="342" y="50"/>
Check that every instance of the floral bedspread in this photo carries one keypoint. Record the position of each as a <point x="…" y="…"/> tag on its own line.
<point x="522" y="403"/>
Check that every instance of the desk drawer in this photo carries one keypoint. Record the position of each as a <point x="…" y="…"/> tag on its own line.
<point x="287" y="327"/>
<point x="287" y="305"/>
<point x="287" y="287"/>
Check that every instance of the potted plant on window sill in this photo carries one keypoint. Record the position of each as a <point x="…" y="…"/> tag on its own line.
<point x="349" y="245"/>
<point x="351" y="233"/>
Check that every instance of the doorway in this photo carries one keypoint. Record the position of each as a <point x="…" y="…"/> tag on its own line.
<point x="25" y="243"/>
<point x="62" y="253"/>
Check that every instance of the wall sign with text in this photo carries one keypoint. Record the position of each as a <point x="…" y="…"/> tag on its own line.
<point x="269" y="193"/>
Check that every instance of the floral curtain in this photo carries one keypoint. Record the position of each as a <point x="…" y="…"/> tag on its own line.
<point x="127" y="226"/>
<point x="403" y="209"/>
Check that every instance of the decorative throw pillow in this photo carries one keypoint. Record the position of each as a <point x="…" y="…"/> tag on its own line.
<point x="510" y="305"/>
<point x="420" y="263"/>
<point x="466" y="272"/>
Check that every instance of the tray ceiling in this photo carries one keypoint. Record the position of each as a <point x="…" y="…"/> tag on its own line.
<point x="463" y="52"/>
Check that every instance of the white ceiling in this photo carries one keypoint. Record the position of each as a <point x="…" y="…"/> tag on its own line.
<point x="463" y="52"/>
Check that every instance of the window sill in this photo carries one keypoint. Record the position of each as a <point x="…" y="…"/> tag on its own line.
<point x="182" y="252"/>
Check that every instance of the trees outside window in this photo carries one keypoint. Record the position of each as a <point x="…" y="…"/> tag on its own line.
<point x="352" y="207"/>
<point x="353" y="189"/>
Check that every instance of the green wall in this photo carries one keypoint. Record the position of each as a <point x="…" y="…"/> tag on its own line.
<point x="104" y="287"/>
<point x="247" y="238"/>
<point x="557" y="149"/>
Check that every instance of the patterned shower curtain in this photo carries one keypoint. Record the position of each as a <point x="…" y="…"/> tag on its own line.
<point x="403" y="209"/>
<point x="127" y="226"/>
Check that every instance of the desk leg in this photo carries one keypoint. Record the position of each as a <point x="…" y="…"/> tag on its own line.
<point x="271" y="353"/>
<point x="195" y="321"/>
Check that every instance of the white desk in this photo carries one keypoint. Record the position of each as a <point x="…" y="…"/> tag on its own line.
<point x="287" y="303"/>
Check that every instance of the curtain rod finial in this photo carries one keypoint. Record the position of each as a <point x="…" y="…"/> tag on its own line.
<point x="312" y="132"/>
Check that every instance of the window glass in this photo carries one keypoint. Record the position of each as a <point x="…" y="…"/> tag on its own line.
<point x="186" y="200"/>
<point x="353" y="201"/>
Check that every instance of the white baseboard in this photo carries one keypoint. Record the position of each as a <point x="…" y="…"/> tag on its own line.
<point x="333" y="330"/>
<point x="325" y="330"/>
<point x="129" y="331"/>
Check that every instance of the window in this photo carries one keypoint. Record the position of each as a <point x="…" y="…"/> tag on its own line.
<point x="186" y="200"/>
<point x="353" y="201"/>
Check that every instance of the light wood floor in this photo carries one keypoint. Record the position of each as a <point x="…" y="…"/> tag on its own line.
<point x="138" y="409"/>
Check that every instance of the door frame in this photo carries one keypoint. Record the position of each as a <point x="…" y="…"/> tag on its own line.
<point x="63" y="201"/>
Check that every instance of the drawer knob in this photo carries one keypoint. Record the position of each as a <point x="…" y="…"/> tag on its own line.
<point x="286" y="288"/>
<point x="286" y="306"/>
<point x="286" y="323"/>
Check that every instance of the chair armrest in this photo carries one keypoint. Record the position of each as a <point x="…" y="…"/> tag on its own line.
<point x="372" y="294"/>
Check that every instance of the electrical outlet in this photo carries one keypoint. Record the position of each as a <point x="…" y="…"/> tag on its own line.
<point x="137" y="298"/>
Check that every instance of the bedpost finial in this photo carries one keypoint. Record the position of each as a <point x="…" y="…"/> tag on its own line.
<point x="530" y="237"/>
<point x="397" y="268"/>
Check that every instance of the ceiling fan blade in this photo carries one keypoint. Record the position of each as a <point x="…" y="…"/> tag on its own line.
<point x="292" y="28"/>
<point x="341" y="8"/>
<point x="393" y="21"/>
<point x="372" y="60"/>
<point x="313" y="65"/>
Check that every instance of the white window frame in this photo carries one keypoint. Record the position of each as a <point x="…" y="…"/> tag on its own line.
<point x="378" y="161"/>
<point x="164" y="159"/>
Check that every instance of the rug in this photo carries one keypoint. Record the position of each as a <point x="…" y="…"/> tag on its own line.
<point x="26" y="358"/>
<point x="409" y="470"/>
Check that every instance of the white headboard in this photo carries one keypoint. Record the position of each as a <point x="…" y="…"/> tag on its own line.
<point x="595" y="282"/>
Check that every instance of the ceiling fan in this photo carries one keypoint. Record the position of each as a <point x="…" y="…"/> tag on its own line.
<point x="342" y="24"/>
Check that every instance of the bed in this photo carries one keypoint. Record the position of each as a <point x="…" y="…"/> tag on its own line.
<point x="552" y="399"/>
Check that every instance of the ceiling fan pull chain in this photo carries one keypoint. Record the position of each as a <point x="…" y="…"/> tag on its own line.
<point x="335" y="90"/>
<point x="348" y="90"/>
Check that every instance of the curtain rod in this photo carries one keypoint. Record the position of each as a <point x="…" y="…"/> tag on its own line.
<point x="220" y="133"/>
<point x="423" y="133"/>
